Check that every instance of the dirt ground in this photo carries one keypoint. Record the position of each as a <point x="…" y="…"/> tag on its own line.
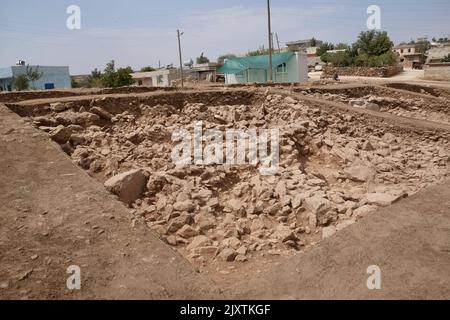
<point x="55" y="214"/>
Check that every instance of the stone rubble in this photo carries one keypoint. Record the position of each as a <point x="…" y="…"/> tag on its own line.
<point x="334" y="169"/>
<point x="417" y="107"/>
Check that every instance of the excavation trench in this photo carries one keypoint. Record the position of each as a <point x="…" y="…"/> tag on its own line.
<point x="429" y="104"/>
<point x="334" y="168"/>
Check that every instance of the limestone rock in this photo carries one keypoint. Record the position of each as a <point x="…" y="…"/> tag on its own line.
<point x="381" y="199"/>
<point x="187" y="231"/>
<point x="227" y="255"/>
<point x="61" y="134"/>
<point x="364" y="210"/>
<point x="101" y="113"/>
<point x="59" y="106"/>
<point x="359" y="173"/>
<point x="198" y="241"/>
<point x="128" y="186"/>
<point x="328" y="231"/>
<point x="178" y="222"/>
<point x="317" y="204"/>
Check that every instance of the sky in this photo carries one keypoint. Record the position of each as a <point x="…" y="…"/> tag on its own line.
<point x="139" y="33"/>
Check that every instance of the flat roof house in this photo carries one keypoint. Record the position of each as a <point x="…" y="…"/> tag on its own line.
<point x="204" y="71"/>
<point x="410" y="57"/>
<point x="158" y="78"/>
<point x="288" y="67"/>
<point x="303" y="45"/>
<point x="310" y="46"/>
<point x="53" y="77"/>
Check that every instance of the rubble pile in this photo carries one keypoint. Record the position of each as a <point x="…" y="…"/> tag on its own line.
<point x="418" y="108"/>
<point x="382" y="72"/>
<point x="334" y="168"/>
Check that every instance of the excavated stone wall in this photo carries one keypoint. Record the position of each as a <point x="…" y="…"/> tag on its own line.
<point x="334" y="168"/>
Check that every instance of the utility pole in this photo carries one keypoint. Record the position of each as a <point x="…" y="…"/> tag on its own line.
<point x="278" y="42"/>
<point x="270" y="41"/>
<point x="179" y="34"/>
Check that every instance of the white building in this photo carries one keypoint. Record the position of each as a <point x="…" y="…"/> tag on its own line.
<point x="158" y="78"/>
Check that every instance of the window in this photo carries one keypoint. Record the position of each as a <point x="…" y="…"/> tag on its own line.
<point x="282" y="68"/>
<point x="409" y="50"/>
<point x="239" y="74"/>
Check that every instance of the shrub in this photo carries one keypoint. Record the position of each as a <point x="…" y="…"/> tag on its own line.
<point x="147" y="69"/>
<point x="339" y="59"/>
<point x="21" y="82"/>
<point x="120" y="78"/>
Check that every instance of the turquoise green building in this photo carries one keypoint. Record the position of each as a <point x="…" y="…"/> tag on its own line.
<point x="288" y="67"/>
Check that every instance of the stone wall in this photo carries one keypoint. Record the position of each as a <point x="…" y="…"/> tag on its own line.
<point x="383" y="72"/>
<point x="437" y="71"/>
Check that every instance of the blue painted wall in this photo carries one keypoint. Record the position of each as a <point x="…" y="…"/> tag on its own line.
<point x="59" y="76"/>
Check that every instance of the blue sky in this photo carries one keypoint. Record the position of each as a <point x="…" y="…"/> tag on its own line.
<point x="143" y="32"/>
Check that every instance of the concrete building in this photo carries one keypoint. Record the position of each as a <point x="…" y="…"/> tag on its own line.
<point x="53" y="77"/>
<point x="204" y="71"/>
<point x="438" y="52"/>
<point x="158" y="78"/>
<point x="302" y="45"/>
<point x="288" y="67"/>
<point x="309" y="47"/>
<point x="409" y="56"/>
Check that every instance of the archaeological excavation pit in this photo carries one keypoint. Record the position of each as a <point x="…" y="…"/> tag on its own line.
<point x="413" y="102"/>
<point x="335" y="167"/>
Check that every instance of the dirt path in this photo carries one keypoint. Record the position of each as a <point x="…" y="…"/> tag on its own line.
<point x="54" y="215"/>
<point x="407" y="76"/>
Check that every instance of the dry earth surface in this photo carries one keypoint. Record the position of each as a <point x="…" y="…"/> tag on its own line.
<point x="362" y="180"/>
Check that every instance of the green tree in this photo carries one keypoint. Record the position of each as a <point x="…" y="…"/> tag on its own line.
<point x="447" y="58"/>
<point x="340" y="58"/>
<point x="202" y="59"/>
<point x="123" y="77"/>
<point x="109" y="75"/>
<point x="313" y="42"/>
<point x="21" y="82"/>
<point x="33" y="74"/>
<point x="147" y="69"/>
<point x="113" y="78"/>
<point x="373" y="43"/>
<point x="341" y="46"/>
<point x="324" y="48"/>
<point x="94" y="80"/>
<point x="221" y="59"/>
<point x="74" y="83"/>
<point x="258" y="52"/>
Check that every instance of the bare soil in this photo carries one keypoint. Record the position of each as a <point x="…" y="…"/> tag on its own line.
<point x="55" y="215"/>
